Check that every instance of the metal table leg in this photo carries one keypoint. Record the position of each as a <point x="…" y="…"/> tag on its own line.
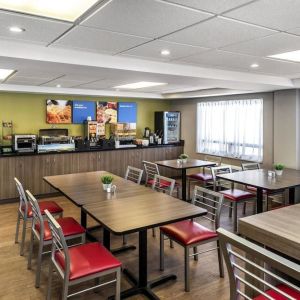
<point x="292" y="195"/>
<point x="183" y="182"/>
<point x="259" y="200"/>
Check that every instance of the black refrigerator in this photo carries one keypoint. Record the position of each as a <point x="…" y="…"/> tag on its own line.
<point x="167" y="125"/>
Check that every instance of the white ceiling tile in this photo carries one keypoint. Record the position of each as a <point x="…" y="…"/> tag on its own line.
<point x="152" y="50"/>
<point x="214" y="6"/>
<point x="96" y="40"/>
<point x="64" y="83"/>
<point x="294" y="30"/>
<point x="37" y="30"/>
<point x="277" y="14"/>
<point x="233" y="61"/>
<point x="217" y="32"/>
<point x="273" y="44"/>
<point x="26" y="80"/>
<point x="146" y="18"/>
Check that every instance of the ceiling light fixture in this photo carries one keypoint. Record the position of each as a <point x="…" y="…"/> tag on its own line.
<point x="139" y="85"/>
<point x="16" y="29"/>
<point x="58" y="85"/>
<point x="5" y="73"/>
<point x="291" y="56"/>
<point x="165" y="52"/>
<point x="57" y="9"/>
<point x="254" y="66"/>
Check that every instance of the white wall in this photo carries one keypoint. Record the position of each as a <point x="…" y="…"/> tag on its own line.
<point x="188" y="108"/>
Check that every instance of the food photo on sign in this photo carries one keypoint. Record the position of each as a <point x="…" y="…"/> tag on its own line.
<point x="59" y="111"/>
<point x="107" y="112"/>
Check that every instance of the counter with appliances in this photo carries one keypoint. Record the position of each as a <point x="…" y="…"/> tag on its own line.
<point x="30" y="168"/>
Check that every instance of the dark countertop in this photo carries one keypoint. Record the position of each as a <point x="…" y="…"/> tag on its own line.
<point x="13" y="154"/>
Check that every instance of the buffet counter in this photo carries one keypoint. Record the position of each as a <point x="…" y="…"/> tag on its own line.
<point x="30" y="168"/>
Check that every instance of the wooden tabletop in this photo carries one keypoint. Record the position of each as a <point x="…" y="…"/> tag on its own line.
<point x="140" y="212"/>
<point x="84" y="188"/>
<point x="191" y="163"/>
<point x="260" y="179"/>
<point x="277" y="229"/>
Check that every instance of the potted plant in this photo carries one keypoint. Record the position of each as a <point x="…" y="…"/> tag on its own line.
<point x="279" y="169"/>
<point x="106" y="181"/>
<point x="183" y="157"/>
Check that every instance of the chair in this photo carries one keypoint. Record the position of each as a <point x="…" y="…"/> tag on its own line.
<point x="80" y="263"/>
<point x="190" y="234"/>
<point x="151" y="169"/>
<point x="25" y="212"/>
<point x="248" y="275"/>
<point x="204" y="178"/>
<point x="134" y="174"/>
<point x="233" y="195"/>
<point x="268" y="194"/>
<point x="41" y="232"/>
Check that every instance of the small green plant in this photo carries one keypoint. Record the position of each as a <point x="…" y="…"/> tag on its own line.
<point x="183" y="156"/>
<point x="107" y="179"/>
<point x="279" y="167"/>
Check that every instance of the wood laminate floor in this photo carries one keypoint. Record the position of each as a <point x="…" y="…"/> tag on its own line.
<point x="16" y="282"/>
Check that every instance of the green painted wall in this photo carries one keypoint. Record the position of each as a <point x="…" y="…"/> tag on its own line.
<point x="28" y="111"/>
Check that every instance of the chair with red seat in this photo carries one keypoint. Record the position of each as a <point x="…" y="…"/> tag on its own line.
<point x="134" y="174"/>
<point x="41" y="232"/>
<point x="25" y="212"/>
<point x="151" y="169"/>
<point x="257" y="273"/>
<point x="233" y="195"/>
<point x="204" y="177"/>
<point x="268" y="194"/>
<point x="80" y="263"/>
<point x="190" y="234"/>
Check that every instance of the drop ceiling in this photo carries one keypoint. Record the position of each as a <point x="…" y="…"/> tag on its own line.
<point x="212" y="45"/>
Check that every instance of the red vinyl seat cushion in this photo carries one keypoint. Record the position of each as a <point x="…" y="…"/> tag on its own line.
<point x="277" y="296"/>
<point x="201" y="177"/>
<point x="52" y="207"/>
<point x="88" y="259"/>
<point x="162" y="182"/>
<point x="68" y="225"/>
<point x="236" y="194"/>
<point x="188" y="232"/>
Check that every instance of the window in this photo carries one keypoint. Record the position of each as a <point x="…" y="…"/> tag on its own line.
<point x="231" y="128"/>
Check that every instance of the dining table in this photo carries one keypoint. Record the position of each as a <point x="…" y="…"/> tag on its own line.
<point x="138" y="214"/>
<point x="261" y="180"/>
<point x="183" y="166"/>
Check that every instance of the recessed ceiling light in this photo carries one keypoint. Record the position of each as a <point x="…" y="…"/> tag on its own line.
<point x="58" y="85"/>
<point x="139" y="85"/>
<point x="291" y="56"/>
<point x="5" y="73"/>
<point x="165" y="52"/>
<point x="254" y="66"/>
<point x="16" y="29"/>
<point x="57" y="9"/>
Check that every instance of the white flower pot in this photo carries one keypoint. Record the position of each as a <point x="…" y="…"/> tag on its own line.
<point x="184" y="160"/>
<point x="278" y="172"/>
<point x="105" y="186"/>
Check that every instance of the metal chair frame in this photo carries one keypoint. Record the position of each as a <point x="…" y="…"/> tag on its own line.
<point x="39" y="236"/>
<point x="217" y="160"/>
<point x="134" y="174"/>
<point x="59" y="244"/>
<point x="247" y="261"/>
<point x="23" y="215"/>
<point x="233" y="204"/>
<point x="212" y="201"/>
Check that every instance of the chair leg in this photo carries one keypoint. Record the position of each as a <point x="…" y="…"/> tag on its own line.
<point x="186" y="269"/>
<point x="220" y="259"/>
<point x="118" y="285"/>
<point x="153" y="232"/>
<point x="17" y="227"/>
<point x="230" y="210"/>
<point x="195" y="251"/>
<point x="39" y="265"/>
<point x="178" y="192"/>
<point x="50" y="280"/>
<point x="244" y="208"/>
<point x="254" y="208"/>
<point x="189" y="189"/>
<point x="235" y="217"/>
<point x="162" y="252"/>
<point x="124" y="239"/>
<point x="171" y="244"/>
<point x="30" y="251"/>
<point x="65" y="290"/>
<point x="23" y="236"/>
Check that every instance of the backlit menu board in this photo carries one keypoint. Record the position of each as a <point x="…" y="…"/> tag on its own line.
<point x="106" y="113"/>
<point x="127" y="112"/>
<point x="59" y="111"/>
<point x="82" y="110"/>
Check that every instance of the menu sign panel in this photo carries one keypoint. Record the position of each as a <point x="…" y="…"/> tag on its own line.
<point x="106" y="113"/>
<point x="82" y="110"/>
<point x="127" y="112"/>
<point x="59" y="111"/>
